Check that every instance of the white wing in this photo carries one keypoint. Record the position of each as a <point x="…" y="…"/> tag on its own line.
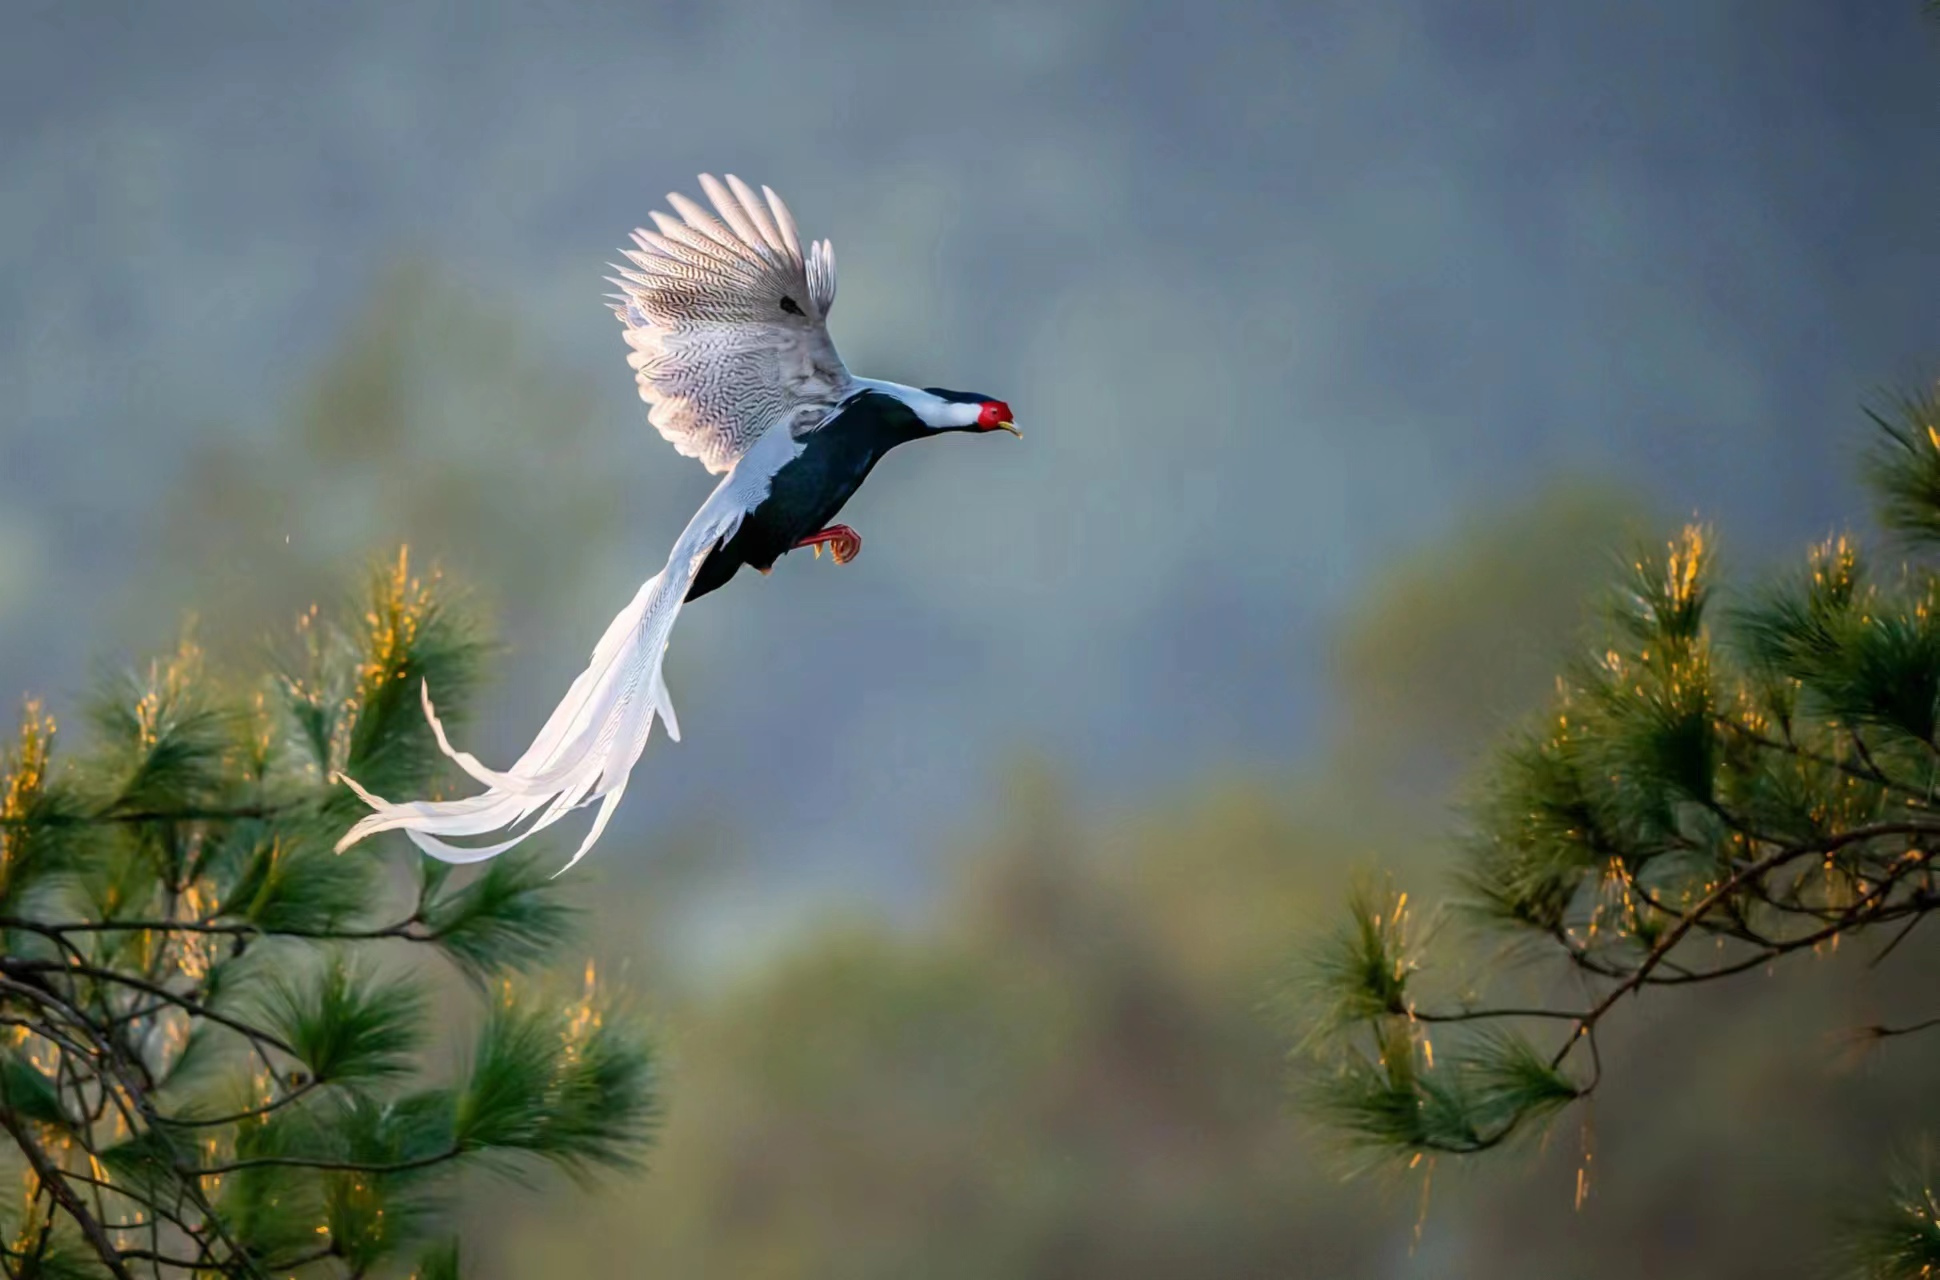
<point x="727" y="321"/>
<point x="593" y="738"/>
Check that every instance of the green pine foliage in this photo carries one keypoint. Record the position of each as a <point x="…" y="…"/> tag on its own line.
<point x="1899" y="1237"/>
<point x="214" y="1040"/>
<point x="1720" y="783"/>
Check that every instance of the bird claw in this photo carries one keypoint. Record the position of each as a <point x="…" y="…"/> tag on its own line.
<point x="844" y="543"/>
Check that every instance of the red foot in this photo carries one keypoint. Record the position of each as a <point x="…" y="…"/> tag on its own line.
<point x="845" y="544"/>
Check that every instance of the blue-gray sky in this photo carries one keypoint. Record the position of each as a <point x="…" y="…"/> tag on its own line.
<point x="1278" y="291"/>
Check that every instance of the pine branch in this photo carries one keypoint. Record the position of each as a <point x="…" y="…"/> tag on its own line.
<point x="295" y="1095"/>
<point x="1881" y="1032"/>
<point x="334" y="1166"/>
<point x="55" y="1181"/>
<point x="21" y="968"/>
<point x="136" y="891"/>
<point x="1771" y="786"/>
<point x="1477" y="1015"/>
<point x="409" y="930"/>
<point x="1588" y="1021"/>
<point x="1887" y="950"/>
<point x="1644" y="973"/>
<point x="160" y="1209"/>
<point x="1871" y="773"/>
<point x="133" y="817"/>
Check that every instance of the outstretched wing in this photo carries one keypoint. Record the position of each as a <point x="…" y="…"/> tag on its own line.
<point x="726" y="318"/>
<point x="589" y="744"/>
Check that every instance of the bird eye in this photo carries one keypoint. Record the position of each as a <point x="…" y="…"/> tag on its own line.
<point x="792" y="307"/>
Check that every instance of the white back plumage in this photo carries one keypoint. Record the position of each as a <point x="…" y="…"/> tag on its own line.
<point x="727" y="321"/>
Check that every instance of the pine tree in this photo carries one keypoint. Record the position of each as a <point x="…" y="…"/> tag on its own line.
<point x="1716" y="788"/>
<point x="213" y="1031"/>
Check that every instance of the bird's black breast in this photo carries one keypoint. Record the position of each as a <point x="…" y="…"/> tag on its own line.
<point x="810" y="489"/>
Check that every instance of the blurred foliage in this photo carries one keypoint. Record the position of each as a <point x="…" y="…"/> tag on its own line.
<point x="1901" y="1236"/>
<point x="1073" y="1062"/>
<point x="213" y="1038"/>
<point x="1423" y="697"/>
<point x="1031" y="1085"/>
<point x="1710" y="791"/>
<point x="437" y="422"/>
<point x="1071" y="1066"/>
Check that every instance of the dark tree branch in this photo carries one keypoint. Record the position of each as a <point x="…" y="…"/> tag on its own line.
<point x="51" y="1177"/>
<point x="163" y="1260"/>
<point x="1881" y="1033"/>
<point x="236" y="1117"/>
<point x="113" y="1063"/>
<point x="1479" y="1015"/>
<point x="122" y="817"/>
<point x="402" y="929"/>
<point x="335" y="1166"/>
<point x="1870" y="773"/>
<point x="99" y="1005"/>
<point x="1897" y="938"/>
<point x="1731" y="884"/>
<point x="161" y="1211"/>
<point x="1671" y="938"/>
<point x="22" y="967"/>
<point x="302" y="1260"/>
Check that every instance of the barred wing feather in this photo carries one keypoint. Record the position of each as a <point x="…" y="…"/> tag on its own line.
<point x="726" y="318"/>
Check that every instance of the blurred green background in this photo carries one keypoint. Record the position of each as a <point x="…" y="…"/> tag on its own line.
<point x="1349" y="343"/>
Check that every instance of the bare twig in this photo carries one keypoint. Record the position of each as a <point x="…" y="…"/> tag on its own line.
<point x="1898" y="938"/>
<point x="339" y="1166"/>
<point x="51" y="1177"/>
<point x="194" y="1007"/>
<point x="1881" y="1033"/>
<point x="254" y="1113"/>
<point x="405" y="929"/>
<point x="114" y="817"/>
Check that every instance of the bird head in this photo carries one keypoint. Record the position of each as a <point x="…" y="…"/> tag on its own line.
<point x="967" y="411"/>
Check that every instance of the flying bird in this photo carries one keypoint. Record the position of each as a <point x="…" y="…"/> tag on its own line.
<point x="726" y="316"/>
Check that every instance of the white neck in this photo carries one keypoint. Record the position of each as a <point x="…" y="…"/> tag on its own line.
<point x="936" y="412"/>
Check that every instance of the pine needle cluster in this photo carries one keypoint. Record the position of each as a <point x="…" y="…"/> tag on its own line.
<point x="1716" y="786"/>
<point x="216" y="1049"/>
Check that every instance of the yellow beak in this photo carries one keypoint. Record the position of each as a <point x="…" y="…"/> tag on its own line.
<point x="1010" y="427"/>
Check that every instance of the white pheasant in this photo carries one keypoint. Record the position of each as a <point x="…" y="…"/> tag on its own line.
<point x="726" y="317"/>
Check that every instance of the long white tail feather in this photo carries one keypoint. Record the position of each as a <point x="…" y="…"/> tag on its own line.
<point x="589" y="744"/>
<point x="665" y="702"/>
